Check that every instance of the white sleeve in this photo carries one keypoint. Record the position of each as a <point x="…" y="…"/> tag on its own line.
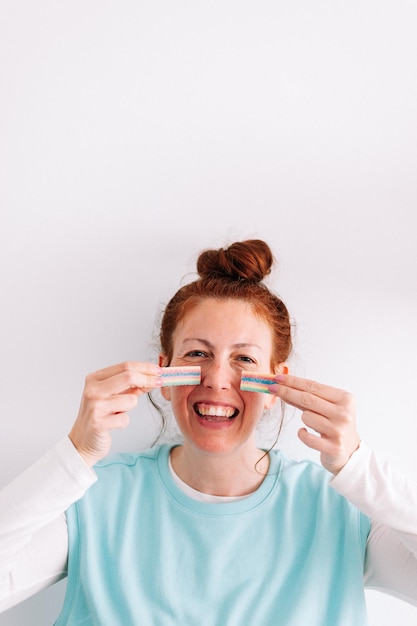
<point x="389" y="499"/>
<point x="33" y="532"/>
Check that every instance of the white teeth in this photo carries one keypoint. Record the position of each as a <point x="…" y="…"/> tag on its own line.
<point x="216" y="411"/>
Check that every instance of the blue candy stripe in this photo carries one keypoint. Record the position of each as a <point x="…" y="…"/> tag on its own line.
<point x="258" y="379"/>
<point x="169" y="374"/>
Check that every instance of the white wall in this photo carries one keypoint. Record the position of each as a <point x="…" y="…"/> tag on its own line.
<point x="133" y="134"/>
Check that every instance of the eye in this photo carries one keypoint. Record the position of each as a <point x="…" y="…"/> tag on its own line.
<point x="196" y="354"/>
<point x="246" y="359"/>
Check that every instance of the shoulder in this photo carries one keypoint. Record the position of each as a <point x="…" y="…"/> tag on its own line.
<point x="304" y="468"/>
<point x="305" y="487"/>
<point x="127" y="459"/>
<point x="123" y="478"/>
<point x="305" y="480"/>
<point x="129" y="465"/>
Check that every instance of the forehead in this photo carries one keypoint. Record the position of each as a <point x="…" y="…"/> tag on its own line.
<point x="228" y="320"/>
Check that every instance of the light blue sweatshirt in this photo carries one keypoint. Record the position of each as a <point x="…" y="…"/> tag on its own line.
<point x="141" y="552"/>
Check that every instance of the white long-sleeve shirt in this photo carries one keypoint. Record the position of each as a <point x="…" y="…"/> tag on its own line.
<point x="34" y="539"/>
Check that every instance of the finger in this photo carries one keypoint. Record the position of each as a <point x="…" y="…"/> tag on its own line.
<point x="310" y="395"/>
<point x="135" y="382"/>
<point x="139" y="391"/>
<point x="326" y="392"/>
<point x="305" y="401"/>
<point x="126" y="366"/>
<point x="319" y="423"/>
<point x="333" y="454"/>
<point x="115" y="405"/>
<point x="122" y="382"/>
<point x="315" y="442"/>
<point x="117" y="421"/>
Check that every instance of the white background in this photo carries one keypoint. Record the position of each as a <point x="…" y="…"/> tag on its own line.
<point x="136" y="133"/>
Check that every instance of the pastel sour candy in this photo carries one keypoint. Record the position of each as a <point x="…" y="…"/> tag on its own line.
<point x="182" y="375"/>
<point x="257" y="381"/>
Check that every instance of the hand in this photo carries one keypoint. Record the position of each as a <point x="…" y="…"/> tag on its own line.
<point x="329" y="412"/>
<point x="108" y="395"/>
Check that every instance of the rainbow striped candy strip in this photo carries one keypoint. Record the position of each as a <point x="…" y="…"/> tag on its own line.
<point x="257" y="381"/>
<point x="184" y="375"/>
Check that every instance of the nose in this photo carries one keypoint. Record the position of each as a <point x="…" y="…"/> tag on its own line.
<point x="217" y="375"/>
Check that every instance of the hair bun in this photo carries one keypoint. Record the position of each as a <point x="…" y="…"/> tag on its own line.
<point x="243" y="260"/>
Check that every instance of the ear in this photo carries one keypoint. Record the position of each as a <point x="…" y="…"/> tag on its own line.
<point x="165" y="391"/>
<point x="271" y="399"/>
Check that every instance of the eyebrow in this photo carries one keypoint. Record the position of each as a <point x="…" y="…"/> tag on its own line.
<point x="211" y="346"/>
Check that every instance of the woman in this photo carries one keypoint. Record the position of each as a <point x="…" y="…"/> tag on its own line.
<point x="213" y="531"/>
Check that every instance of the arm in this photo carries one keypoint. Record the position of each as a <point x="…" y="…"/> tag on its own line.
<point x="380" y="492"/>
<point x="390" y="500"/>
<point x="33" y="533"/>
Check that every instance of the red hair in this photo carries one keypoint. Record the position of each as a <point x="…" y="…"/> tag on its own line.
<point x="236" y="272"/>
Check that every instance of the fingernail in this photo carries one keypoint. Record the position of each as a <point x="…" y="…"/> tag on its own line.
<point x="280" y="378"/>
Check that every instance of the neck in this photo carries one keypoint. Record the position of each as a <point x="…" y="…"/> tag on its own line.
<point x="220" y="474"/>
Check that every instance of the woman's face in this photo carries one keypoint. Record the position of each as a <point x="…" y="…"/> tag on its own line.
<point x="224" y="337"/>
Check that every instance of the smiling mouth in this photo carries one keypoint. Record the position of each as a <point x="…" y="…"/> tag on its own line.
<point x="215" y="413"/>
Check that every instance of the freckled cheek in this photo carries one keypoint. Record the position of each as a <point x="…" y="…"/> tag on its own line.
<point x="254" y="404"/>
<point x="181" y="398"/>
